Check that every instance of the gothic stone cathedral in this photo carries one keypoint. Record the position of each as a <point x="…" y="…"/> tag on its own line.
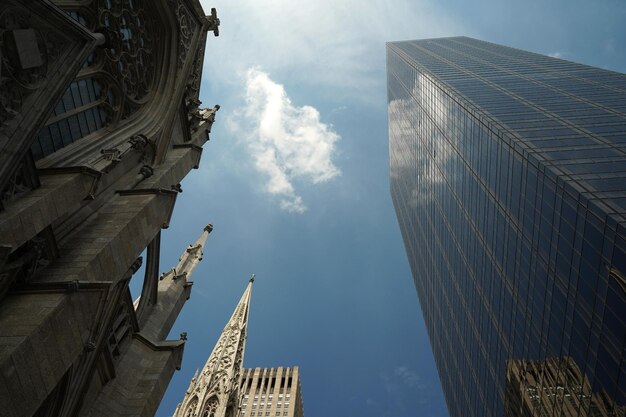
<point x="99" y="123"/>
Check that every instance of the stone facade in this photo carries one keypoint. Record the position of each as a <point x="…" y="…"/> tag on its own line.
<point x="99" y="123"/>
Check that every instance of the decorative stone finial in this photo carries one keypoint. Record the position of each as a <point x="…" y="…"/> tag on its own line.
<point x="213" y="22"/>
<point x="208" y="228"/>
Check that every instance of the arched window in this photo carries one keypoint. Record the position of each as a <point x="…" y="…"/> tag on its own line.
<point x="210" y="407"/>
<point x="191" y="408"/>
<point x="114" y="81"/>
<point x="86" y="107"/>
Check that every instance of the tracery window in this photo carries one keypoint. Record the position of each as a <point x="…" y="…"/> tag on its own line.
<point x="113" y="83"/>
<point x="210" y="408"/>
<point x="191" y="407"/>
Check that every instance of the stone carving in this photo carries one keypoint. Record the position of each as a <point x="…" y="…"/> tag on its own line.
<point x="110" y="157"/>
<point x="21" y="266"/>
<point x="124" y="64"/>
<point x="24" y="179"/>
<point x="26" y="49"/>
<point x="191" y="408"/>
<point x="210" y="407"/>
<point x="146" y="171"/>
<point x="208" y="115"/>
<point x="213" y="23"/>
<point x="187" y="26"/>
<point x="130" y="45"/>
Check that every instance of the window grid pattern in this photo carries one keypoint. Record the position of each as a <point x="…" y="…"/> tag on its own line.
<point x="76" y="115"/>
<point x="268" y="391"/>
<point x="508" y="179"/>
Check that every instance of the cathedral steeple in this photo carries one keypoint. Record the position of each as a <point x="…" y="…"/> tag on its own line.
<point x="215" y="391"/>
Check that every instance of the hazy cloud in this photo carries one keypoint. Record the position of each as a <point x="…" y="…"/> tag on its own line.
<point x="408" y="377"/>
<point x="402" y="127"/>
<point x="556" y="55"/>
<point x="321" y="43"/>
<point x="287" y="142"/>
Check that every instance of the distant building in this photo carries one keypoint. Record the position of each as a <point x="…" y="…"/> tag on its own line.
<point x="99" y="124"/>
<point x="271" y="392"/>
<point x="508" y="176"/>
<point x="553" y="386"/>
<point x="224" y="389"/>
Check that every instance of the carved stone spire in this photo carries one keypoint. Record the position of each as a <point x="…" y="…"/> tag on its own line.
<point x="174" y="288"/>
<point x="192" y="255"/>
<point x="215" y="391"/>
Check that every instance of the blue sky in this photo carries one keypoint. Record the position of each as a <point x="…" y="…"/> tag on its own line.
<point x="295" y="181"/>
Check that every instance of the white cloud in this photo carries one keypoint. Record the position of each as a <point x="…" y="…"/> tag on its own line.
<point x="556" y="55"/>
<point x="287" y="142"/>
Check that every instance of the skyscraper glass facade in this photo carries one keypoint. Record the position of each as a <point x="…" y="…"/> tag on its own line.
<point x="508" y="176"/>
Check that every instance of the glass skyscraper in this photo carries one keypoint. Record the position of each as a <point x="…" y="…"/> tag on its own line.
<point x="508" y="176"/>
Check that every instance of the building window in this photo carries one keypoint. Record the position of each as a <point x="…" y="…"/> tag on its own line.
<point x="113" y="82"/>
<point x="84" y="108"/>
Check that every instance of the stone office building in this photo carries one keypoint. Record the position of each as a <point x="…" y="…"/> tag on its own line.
<point x="99" y="124"/>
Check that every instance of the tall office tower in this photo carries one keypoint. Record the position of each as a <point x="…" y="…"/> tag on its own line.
<point x="99" y="124"/>
<point x="214" y="392"/>
<point x="508" y="176"/>
<point x="271" y="392"/>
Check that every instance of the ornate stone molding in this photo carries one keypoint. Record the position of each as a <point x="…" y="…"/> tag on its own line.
<point x="109" y="158"/>
<point x="24" y="179"/>
<point x="41" y="50"/>
<point x="28" y="48"/>
<point x="213" y="23"/>
<point x="187" y="28"/>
